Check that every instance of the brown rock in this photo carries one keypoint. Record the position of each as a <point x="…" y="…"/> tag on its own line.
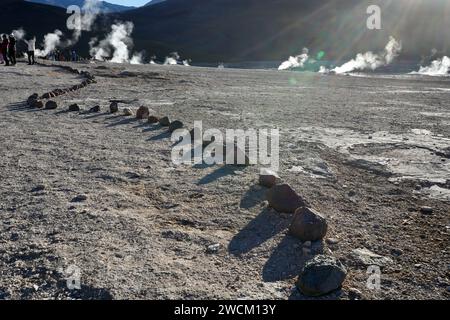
<point x="268" y="178"/>
<point x="142" y="113"/>
<point x="284" y="199"/>
<point x="37" y="104"/>
<point x="308" y="225"/>
<point x="153" y="119"/>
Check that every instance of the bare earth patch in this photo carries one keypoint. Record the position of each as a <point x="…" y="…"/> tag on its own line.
<point x="143" y="228"/>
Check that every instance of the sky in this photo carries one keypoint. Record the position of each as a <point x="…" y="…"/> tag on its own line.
<point x="134" y="3"/>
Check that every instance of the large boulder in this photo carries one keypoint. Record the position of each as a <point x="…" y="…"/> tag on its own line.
<point x="50" y="105"/>
<point x="321" y="275"/>
<point x="284" y="199"/>
<point x="308" y="225"/>
<point x="142" y="113"/>
<point x="114" y="107"/>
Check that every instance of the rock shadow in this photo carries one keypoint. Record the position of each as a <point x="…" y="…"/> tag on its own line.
<point x="218" y="173"/>
<point x="160" y="136"/>
<point x="265" y="226"/>
<point x="121" y="122"/>
<point x="286" y="261"/>
<point x="253" y="197"/>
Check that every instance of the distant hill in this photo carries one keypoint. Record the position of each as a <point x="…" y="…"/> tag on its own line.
<point x="154" y="2"/>
<point x="104" y="7"/>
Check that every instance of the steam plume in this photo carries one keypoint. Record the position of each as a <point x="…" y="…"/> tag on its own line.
<point x="172" y="59"/>
<point x="372" y="61"/>
<point x="439" y="67"/>
<point x="18" y="34"/>
<point x="51" y="42"/>
<point x="117" y="45"/>
<point x="295" y="62"/>
<point x="84" y="22"/>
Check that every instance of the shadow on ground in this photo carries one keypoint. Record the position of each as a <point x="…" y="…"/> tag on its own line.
<point x="265" y="226"/>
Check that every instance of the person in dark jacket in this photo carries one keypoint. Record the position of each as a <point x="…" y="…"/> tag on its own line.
<point x="4" y="49"/>
<point x="12" y="50"/>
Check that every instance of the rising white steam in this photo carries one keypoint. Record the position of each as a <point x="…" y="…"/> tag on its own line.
<point x="51" y="42"/>
<point x="18" y="34"/>
<point x="84" y="20"/>
<point x="137" y="58"/>
<point x="172" y="59"/>
<point x="439" y="67"/>
<point x="295" y="62"/>
<point x="372" y="61"/>
<point x="117" y="45"/>
<point x="324" y="70"/>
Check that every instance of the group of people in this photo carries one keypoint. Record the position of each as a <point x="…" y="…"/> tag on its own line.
<point x="8" y="51"/>
<point x="66" y="55"/>
<point x="8" y="48"/>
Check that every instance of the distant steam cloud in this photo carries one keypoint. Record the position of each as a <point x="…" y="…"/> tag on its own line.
<point x="84" y="20"/>
<point x="172" y="59"/>
<point x="138" y="58"/>
<point x="78" y="22"/>
<point x="295" y="62"/>
<point x="372" y="61"/>
<point x="116" y="46"/>
<point x="439" y="67"/>
<point x="51" y="42"/>
<point x="18" y="34"/>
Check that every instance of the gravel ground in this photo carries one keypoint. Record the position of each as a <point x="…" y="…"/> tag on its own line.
<point x="367" y="152"/>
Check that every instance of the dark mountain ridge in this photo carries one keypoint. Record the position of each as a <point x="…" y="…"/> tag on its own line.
<point x="251" y="30"/>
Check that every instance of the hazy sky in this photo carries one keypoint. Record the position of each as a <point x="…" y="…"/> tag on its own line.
<point x="135" y="3"/>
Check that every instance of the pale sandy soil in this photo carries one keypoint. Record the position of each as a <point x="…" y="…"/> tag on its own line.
<point x="347" y="145"/>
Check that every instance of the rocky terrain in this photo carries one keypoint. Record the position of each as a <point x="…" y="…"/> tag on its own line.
<point x="97" y="192"/>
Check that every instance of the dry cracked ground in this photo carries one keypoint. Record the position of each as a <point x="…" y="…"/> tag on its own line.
<point x="367" y="152"/>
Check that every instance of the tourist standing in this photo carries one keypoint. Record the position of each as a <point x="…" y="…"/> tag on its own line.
<point x="4" y="49"/>
<point x="31" y="49"/>
<point x="12" y="50"/>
